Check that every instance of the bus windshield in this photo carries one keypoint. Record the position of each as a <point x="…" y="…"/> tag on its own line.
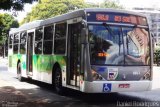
<point x="118" y="45"/>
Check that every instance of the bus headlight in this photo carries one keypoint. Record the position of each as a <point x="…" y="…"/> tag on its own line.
<point x="147" y="76"/>
<point x="96" y="76"/>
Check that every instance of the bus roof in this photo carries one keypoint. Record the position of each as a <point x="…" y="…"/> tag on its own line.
<point x="70" y="15"/>
<point x="113" y="10"/>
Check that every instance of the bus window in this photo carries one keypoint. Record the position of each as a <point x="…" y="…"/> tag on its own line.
<point x="60" y="38"/>
<point x="23" y="36"/>
<point x="16" y="38"/>
<point x="15" y="49"/>
<point x="137" y="41"/>
<point x="10" y="41"/>
<point x="38" y="41"/>
<point x="106" y="44"/>
<point x="16" y="43"/>
<point x="48" y="40"/>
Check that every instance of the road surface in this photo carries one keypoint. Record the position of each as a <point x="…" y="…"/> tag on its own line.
<point x="36" y="94"/>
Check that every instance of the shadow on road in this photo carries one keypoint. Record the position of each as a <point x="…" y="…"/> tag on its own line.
<point x="75" y="98"/>
<point x="43" y="95"/>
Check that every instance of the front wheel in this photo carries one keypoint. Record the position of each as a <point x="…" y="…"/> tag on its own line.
<point x="58" y="81"/>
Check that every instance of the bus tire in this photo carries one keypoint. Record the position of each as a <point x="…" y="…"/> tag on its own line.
<point x="19" y="73"/>
<point x="58" y="81"/>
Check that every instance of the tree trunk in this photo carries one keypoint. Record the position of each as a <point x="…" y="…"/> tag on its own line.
<point x="4" y="50"/>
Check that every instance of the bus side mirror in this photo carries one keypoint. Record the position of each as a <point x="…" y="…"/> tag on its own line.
<point x="84" y="35"/>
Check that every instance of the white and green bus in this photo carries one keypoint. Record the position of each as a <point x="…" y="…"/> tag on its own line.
<point x="90" y="50"/>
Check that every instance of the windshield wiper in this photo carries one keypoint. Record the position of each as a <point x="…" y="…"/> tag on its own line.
<point x="108" y="28"/>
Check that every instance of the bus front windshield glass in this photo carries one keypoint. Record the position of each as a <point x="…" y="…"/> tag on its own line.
<point x="117" y="45"/>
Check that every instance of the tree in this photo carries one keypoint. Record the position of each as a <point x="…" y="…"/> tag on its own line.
<point x="50" y="8"/>
<point x="16" y="5"/>
<point x="111" y="4"/>
<point x="1" y="22"/>
<point x="156" y="55"/>
<point x="6" y="22"/>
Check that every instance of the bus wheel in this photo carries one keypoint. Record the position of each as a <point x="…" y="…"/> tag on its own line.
<point x="19" y="74"/>
<point x="58" y="81"/>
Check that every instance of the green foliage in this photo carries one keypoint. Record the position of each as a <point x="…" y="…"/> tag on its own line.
<point x="50" y="8"/>
<point x="157" y="48"/>
<point x="156" y="54"/>
<point x="6" y="22"/>
<point x="111" y="4"/>
<point x="14" y="4"/>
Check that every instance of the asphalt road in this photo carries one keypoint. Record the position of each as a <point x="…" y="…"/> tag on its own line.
<point x="37" y="94"/>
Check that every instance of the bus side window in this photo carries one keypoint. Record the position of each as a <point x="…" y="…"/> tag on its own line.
<point x="60" y="38"/>
<point x="16" y="43"/>
<point x="23" y="36"/>
<point x="38" y="41"/>
<point x="48" y="40"/>
<point x="10" y="41"/>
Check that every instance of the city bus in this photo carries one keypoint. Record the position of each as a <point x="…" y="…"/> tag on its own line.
<point x="91" y="50"/>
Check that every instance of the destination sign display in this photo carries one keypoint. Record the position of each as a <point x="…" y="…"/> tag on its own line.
<point x="116" y="17"/>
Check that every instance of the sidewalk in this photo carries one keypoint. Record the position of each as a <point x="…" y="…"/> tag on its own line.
<point x="156" y="77"/>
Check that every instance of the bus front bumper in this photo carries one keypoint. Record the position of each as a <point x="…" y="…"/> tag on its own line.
<point x="115" y="86"/>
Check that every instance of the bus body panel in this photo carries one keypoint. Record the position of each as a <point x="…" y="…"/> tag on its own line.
<point x="43" y="66"/>
<point x="122" y="73"/>
<point x="13" y="60"/>
<point x="114" y="78"/>
<point x="115" y="86"/>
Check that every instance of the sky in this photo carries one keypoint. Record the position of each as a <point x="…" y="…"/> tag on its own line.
<point x="133" y="3"/>
<point x="125" y="3"/>
<point x="23" y="13"/>
<point x="140" y="3"/>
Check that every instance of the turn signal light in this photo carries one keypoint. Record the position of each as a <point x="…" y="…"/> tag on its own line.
<point x="103" y="54"/>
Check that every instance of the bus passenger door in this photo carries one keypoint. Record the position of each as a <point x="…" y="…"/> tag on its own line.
<point x="73" y="54"/>
<point x="30" y="53"/>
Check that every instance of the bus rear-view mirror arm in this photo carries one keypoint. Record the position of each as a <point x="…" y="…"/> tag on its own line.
<point x="84" y="36"/>
<point x="84" y="32"/>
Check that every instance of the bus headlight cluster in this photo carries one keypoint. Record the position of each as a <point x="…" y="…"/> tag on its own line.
<point x="96" y="76"/>
<point x="147" y="76"/>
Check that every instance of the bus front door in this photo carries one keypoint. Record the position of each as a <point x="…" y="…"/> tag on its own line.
<point x="29" y="53"/>
<point x="74" y="48"/>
